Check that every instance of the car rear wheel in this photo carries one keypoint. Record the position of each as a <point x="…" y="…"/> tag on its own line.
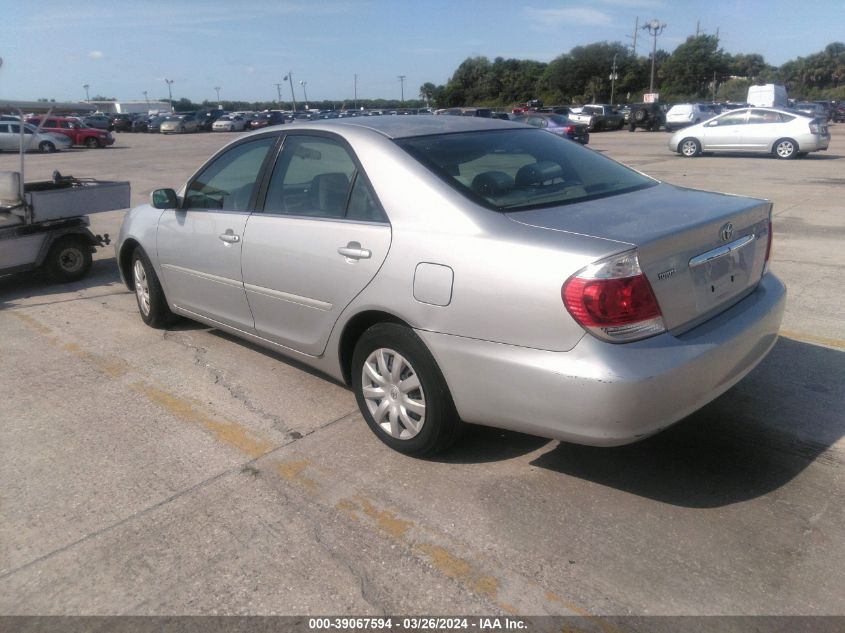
<point x="92" y="143"/>
<point x="148" y="292"/>
<point x="69" y="259"/>
<point x="785" y="149"/>
<point x="689" y="148"/>
<point x="401" y="392"/>
<point x="46" y="147"/>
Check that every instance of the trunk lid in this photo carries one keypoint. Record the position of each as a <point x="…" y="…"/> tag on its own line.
<point x="702" y="252"/>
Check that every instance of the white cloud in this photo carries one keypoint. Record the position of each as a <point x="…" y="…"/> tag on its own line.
<point x="556" y="17"/>
<point x="96" y="55"/>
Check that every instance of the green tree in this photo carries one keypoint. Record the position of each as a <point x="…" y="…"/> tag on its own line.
<point x="692" y="66"/>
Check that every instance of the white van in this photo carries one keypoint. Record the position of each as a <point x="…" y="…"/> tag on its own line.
<point x="684" y="114"/>
<point x="767" y="96"/>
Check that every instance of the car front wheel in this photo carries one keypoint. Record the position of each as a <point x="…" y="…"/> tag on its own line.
<point x="689" y="147"/>
<point x="46" y="147"/>
<point x="148" y="292"/>
<point x="785" y="149"/>
<point x="401" y="392"/>
<point x="92" y="143"/>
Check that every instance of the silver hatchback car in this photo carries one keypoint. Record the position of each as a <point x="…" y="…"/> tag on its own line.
<point x="783" y="133"/>
<point x="463" y="270"/>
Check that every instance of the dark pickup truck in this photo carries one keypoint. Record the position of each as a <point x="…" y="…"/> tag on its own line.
<point x="599" y="117"/>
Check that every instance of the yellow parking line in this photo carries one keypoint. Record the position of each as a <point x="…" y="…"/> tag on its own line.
<point x="811" y="338"/>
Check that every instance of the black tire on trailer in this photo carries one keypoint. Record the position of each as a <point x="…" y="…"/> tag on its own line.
<point x="69" y="258"/>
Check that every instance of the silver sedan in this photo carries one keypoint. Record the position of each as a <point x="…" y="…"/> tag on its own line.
<point x="783" y="133"/>
<point x="458" y="270"/>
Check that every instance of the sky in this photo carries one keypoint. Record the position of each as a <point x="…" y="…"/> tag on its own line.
<point x="51" y="49"/>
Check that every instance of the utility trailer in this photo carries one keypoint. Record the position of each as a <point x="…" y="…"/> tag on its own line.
<point x="45" y="224"/>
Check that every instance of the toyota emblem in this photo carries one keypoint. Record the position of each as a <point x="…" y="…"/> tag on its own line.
<point x="727" y="232"/>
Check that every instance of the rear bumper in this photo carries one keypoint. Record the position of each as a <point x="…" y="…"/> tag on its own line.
<point x="604" y="394"/>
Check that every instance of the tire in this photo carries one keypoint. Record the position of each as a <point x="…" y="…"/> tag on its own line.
<point x="431" y="424"/>
<point x="92" y="143"/>
<point x="632" y="126"/>
<point x="785" y="149"/>
<point x="640" y="116"/>
<point x="46" y="147"/>
<point x="69" y="259"/>
<point x="149" y="295"/>
<point x="689" y="148"/>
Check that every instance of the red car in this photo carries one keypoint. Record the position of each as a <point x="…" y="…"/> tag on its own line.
<point x="75" y="130"/>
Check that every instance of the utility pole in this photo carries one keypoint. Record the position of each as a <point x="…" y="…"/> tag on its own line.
<point x="355" y="93"/>
<point x="613" y="78"/>
<point x="697" y="27"/>
<point x="289" y="77"/>
<point x="279" y="90"/>
<point x="305" y="92"/>
<point x="634" y="36"/>
<point x="402" y="84"/>
<point x="169" y="82"/>
<point x="655" y="27"/>
<point x="217" y="89"/>
<point x="86" y="86"/>
<point x="146" y="99"/>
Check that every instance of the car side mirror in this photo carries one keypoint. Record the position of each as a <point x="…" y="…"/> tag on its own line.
<point x="164" y="199"/>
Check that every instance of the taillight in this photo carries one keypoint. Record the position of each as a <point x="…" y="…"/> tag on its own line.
<point x="568" y="129"/>
<point x="613" y="300"/>
<point x="815" y="128"/>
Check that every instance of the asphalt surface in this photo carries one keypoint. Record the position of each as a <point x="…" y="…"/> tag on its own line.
<point x="188" y="472"/>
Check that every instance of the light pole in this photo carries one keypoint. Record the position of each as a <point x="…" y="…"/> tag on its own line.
<point x="86" y="86"/>
<point x="146" y="99"/>
<point x="613" y="77"/>
<point x="402" y="84"/>
<point x="289" y="77"/>
<point x="355" y="93"/>
<point x="655" y="28"/>
<point x="217" y="89"/>
<point x="305" y="92"/>
<point x="169" y="92"/>
<point x="279" y="91"/>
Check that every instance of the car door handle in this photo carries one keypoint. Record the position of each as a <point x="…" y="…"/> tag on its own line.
<point x="229" y="237"/>
<point x="353" y="250"/>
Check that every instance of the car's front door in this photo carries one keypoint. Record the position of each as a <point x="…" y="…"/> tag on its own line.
<point x="199" y="244"/>
<point x="725" y="132"/>
<point x="319" y="240"/>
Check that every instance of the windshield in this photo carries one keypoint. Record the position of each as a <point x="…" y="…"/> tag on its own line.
<point x="517" y="169"/>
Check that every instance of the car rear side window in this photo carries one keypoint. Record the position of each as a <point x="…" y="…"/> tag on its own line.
<point x="227" y="183"/>
<point x="517" y="169"/>
<point x="312" y="177"/>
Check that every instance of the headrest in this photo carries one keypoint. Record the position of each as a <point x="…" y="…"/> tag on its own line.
<point x="492" y="183"/>
<point x="538" y="173"/>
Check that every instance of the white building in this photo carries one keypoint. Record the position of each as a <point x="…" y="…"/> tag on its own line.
<point x="130" y="107"/>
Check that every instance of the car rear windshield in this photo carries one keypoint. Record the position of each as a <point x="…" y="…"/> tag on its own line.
<point x="518" y="169"/>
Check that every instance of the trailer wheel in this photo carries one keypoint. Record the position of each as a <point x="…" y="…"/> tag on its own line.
<point x="69" y="259"/>
<point x="152" y="303"/>
<point x="46" y="147"/>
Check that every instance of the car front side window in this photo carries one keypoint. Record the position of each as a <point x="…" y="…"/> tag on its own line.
<point x="227" y="183"/>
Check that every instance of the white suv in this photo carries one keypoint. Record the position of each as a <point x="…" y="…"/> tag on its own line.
<point x="685" y="114"/>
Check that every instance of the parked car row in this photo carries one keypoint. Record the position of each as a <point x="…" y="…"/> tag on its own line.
<point x="34" y="140"/>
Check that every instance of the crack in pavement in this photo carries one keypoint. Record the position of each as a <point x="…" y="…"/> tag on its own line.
<point x="238" y="392"/>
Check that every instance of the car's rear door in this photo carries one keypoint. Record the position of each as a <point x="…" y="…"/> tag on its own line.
<point x="199" y="244"/>
<point x="319" y="240"/>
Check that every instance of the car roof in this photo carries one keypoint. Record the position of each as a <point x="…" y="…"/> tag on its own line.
<point x="396" y="127"/>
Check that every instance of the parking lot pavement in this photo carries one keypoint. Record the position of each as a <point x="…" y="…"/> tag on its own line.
<point x="184" y="472"/>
